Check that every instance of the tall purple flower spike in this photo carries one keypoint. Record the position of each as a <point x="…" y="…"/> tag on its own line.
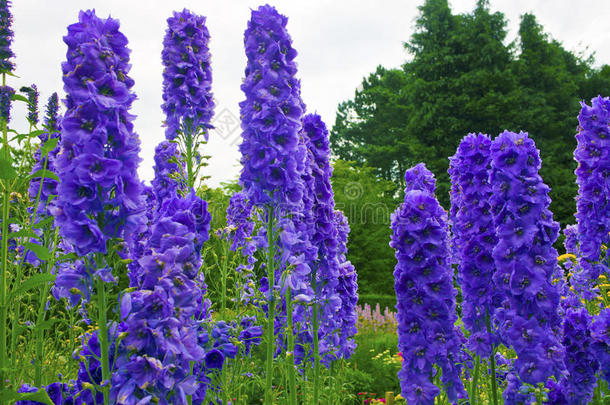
<point x="187" y="76"/>
<point x="525" y="259"/>
<point x="424" y="292"/>
<point x="99" y="190"/>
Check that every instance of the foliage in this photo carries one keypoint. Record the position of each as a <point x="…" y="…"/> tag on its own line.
<point x="463" y="77"/>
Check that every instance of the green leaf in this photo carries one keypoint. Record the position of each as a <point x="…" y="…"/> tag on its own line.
<point x="41" y="252"/>
<point x="44" y="325"/>
<point x="19" y="97"/>
<point x="6" y="170"/>
<point x="48" y="146"/>
<point x="31" y="283"/>
<point x="44" y="172"/>
<point x="22" y="233"/>
<point x="40" y="396"/>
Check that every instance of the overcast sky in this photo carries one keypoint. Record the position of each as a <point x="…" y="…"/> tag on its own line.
<point x="339" y="42"/>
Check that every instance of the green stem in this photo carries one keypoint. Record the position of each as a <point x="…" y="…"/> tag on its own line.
<point x="271" y="307"/>
<point x="492" y="362"/>
<point x="290" y="355"/>
<point x="225" y="260"/>
<point x="41" y="317"/>
<point x="4" y="270"/>
<point x="188" y="140"/>
<point x="475" y="379"/>
<point x="103" y="338"/>
<point x="316" y="354"/>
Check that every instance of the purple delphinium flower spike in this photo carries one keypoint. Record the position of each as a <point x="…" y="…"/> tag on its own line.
<point x="6" y="94"/>
<point x="161" y="319"/>
<point x="347" y="290"/>
<point x="581" y="360"/>
<point x="474" y="238"/>
<point x="424" y="292"/>
<point x="593" y="177"/>
<point x="600" y="332"/>
<point x="32" y="95"/>
<point x="99" y="190"/>
<point x="525" y="258"/>
<point x="272" y="158"/>
<point x="169" y="171"/>
<point x="6" y="37"/>
<point x="187" y="75"/>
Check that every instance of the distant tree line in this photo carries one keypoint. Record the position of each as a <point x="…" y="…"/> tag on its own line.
<point x="462" y="76"/>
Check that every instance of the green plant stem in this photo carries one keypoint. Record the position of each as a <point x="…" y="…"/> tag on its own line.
<point x="316" y="354"/>
<point x="103" y="337"/>
<point x="188" y="141"/>
<point x="292" y="382"/>
<point x="271" y="307"/>
<point x="41" y="317"/>
<point x="492" y="362"/>
<point x="225" y="260"/>
<point x="4" y="271"/>
<point x="475" y="380"/>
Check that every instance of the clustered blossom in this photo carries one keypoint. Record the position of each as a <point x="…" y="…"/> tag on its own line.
<point x="272" y="157"/>
<point x="160" y="325"/>
<point x="347" y="290"/>
<point x="593" y="177"/>
<point x="169" y="170"/>
<point x="49" y="187"/>
<point x="99" y="190"/>
<point x="600" y="332"/>
<point x="580" y="357"/>
<point x="474" y="237"/>
<point x="187" y="75"/>
<point x="6" y="95"/>
<point x="6" y="37"/>
<point x="525" y="259"/>
<point x="32" y="95"/>
<point x="424" y="292"/>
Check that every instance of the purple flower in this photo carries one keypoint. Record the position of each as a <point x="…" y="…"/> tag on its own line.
<point x="272" y="158"/>
<point x="169" y="171"/>
<point x="525" y="259"/>
<point x="6" y="37"/>
<point x="474" y="237"/>
<point x="6" y="94"/>
<point x="593" y="177"/>
<point x="99" y="190"/>
<point x="424" y="292"/>
<point x="187" y="76"/>
<point x="600" y="332"/>
<point x="581" y="360"/>
<point x="32" y="95"/>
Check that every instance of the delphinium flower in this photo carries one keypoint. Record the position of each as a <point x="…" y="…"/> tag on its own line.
<point x="187" y="75"/>
<point x="424" y="292"/>
<point x="6" y="37"/>
<point x="137" y="244"/>
<point x="32" y="96"/>
<point x="49" y="186"/>
<point x="593" y="177"/>
<point x="169" y="169"/>
<point x="187" y="87"/>
<point x="600" y="332"/>
<point x="474" y="238"/>
<point x="319" y="217"/>
<point x="347" y="289"/>
<point x="525" y="258"/>
<point x="6" y="94"/>
<point x="99" y="190"/>
<point x="160" y="328"/>
<point x="580" y="357"/>
<point x="240" y="225"/>
<point x="272" y="155"/>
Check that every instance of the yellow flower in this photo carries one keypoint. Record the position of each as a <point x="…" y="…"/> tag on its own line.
<point x="565" y="257"/>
